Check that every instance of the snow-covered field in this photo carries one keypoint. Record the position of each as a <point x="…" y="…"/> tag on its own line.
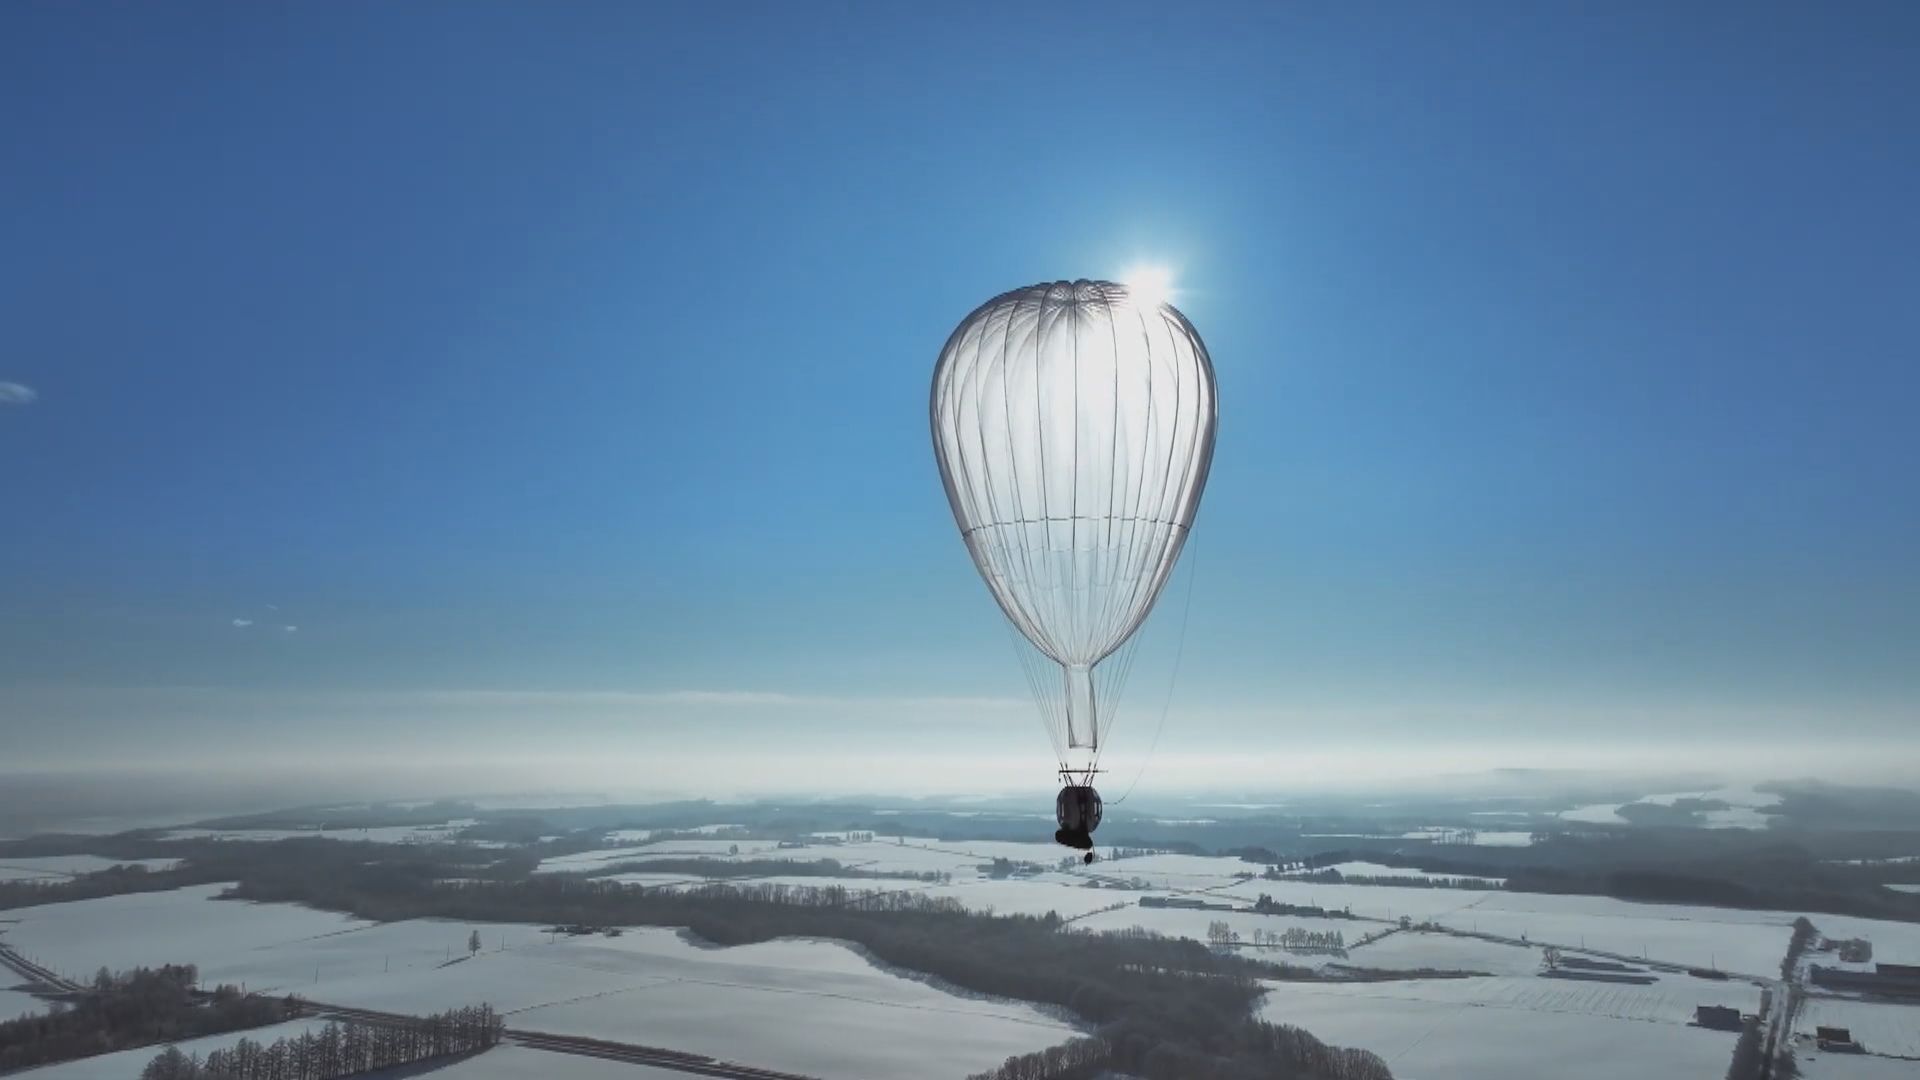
<point x="808" y="1006"/>
<point x="55" y="867"/>
<point x="1815" y="1065"/>
<point x="1746" y="808"/>
<point x="509" y="1062"/>
<point x="1412" y="950"/>
<point x="1474" y="837"/>
<point x="19" y="1003"/>
<point x="1062" y="894"/>
<point x="1595" y="814"/>
<point x="1374" y="869"/>
<point x="1887" y="1029"/>
<point x="1179" y="872"/>
<point x="126" y="1064"/>
<point x="1748" y="942"/>
<point x="600" y="858"/>
<point x="1480" y="1029"/>
<point x="1176" y="922"/>
<point x="1893" y="942"/>
<point x="1379" y="902"/>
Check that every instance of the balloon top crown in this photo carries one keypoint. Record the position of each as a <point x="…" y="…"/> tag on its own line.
<point x="1082" y="291"/>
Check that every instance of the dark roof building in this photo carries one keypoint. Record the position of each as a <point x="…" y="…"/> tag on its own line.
<point x="1719" y="1017"/>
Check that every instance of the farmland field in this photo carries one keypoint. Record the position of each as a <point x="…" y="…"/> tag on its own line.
<point x="1817" y="1065"/>
<point x="1880" y="1028"/>
<point x="809" y="1006"/>
<point x="58" y="867"/>
<point x="1413" y="950"/>
<point x="1496" y="1029"/>
<point x="126" y="1064"/>
<point x="18" y="1003"/>
<point x="509" y="1062"/>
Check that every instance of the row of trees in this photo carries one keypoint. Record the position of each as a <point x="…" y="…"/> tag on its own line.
<point x="1334" y="877"/>
<point x="706" y="867"/>
<point x="136" y="1008"/>
<point x="1267" y="905"/>
<point x="1301" y="940"/>
<point x="338" y="1049"/>
<point x="1298" y="939"/>
<point x="1075" y="1059"/>
<point x="1262" y="1050"/>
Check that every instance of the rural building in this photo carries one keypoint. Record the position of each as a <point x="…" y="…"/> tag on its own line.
<point x="1718" y="1017"/>
<point x="1835" y="1038"/>
<point x="1891" y="980"/>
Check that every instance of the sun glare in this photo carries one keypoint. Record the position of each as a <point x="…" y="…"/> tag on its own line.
<point x="1150" y="285"/>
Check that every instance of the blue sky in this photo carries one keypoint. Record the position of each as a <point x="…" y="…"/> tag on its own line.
<point x="560" y="372"/>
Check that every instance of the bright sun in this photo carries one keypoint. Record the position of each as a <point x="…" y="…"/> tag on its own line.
<point x="1150" y="285"/>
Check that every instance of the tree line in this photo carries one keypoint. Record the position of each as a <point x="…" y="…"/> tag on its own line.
<point x="338" y="1049"/>
<point x="1331" y="876"/>
<point x="697" y="866"/>
<point x="1263" y="1049"/>
<point x="1294" y="938"/>
<point x="132" y="1009"/>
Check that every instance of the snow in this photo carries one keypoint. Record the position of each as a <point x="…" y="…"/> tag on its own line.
<point x="802" y="1005"/>
<point x="1740" y="942"/>
<point x="1744" y="806"/>
<point x="1473" y="837"/>
<point x="1181" y="872"/>
<point x="15" y="1003"/>
<point x="1893" y="942"/>
<point x="1904" y="888"/>
<point x="1815" y="1065"/>
<point x="1743" y="942"/>
<point x="510" y="1062"/>
<point x="1374" y="869"/>
<point x="601" y="858"/>
<point x="1189" y="923"/>
<point x="1381" y="902"/>
<point x="1065" y="895"/>
<point x="1413" y="950"/>
<point x="652" y="881"/>
<point x="156" y="928"/>
<point x="1505" y="1028"/>
<point x="1886" y="1029"/>
<point x="56" y="867"/>
<point x="127" y="1064"/>
<point x="1597" y="814"/>
<point x="714" y="849"/>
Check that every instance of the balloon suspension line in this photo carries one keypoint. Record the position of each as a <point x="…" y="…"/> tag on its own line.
<point x="1179" y="650"/>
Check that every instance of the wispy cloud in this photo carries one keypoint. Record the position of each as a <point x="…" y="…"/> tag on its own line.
<point x="13" y="393"/>
<point x="290" y="629"/>
<point x="242" y="623"/>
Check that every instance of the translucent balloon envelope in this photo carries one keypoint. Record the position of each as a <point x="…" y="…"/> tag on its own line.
<point x="1074" y="428"/>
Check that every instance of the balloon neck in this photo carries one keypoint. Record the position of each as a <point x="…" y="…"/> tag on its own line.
<point x="1083" y="728"/>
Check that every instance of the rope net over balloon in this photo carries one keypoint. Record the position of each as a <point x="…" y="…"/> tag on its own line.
<point x="1074" y="430"/>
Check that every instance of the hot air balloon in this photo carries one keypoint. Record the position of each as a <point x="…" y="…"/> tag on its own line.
<point x="1073" y="423"/>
